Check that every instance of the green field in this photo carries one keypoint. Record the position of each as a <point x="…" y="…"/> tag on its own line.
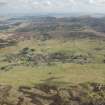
<point x="57" y="72"/>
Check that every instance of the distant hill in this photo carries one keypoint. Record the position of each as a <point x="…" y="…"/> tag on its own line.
<point x="53" y="27"/>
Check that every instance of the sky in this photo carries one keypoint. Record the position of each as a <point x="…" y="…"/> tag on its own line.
<point x="52" y="6"/>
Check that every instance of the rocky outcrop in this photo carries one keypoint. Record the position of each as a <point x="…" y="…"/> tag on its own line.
<point x="27" y="56"/>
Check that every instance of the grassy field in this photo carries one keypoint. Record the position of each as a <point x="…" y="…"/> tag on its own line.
<point x="59" y="73"/>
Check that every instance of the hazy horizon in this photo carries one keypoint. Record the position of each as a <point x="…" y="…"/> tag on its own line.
<point x="52" y="6"/>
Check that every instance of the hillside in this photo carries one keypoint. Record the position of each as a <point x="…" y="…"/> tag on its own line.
<point x="52" y="61"/>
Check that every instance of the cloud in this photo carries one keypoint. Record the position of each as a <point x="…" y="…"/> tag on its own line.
<point x="97" y="2"/>
<point x="3" y="3"/>
<point x="53" y="5"/>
